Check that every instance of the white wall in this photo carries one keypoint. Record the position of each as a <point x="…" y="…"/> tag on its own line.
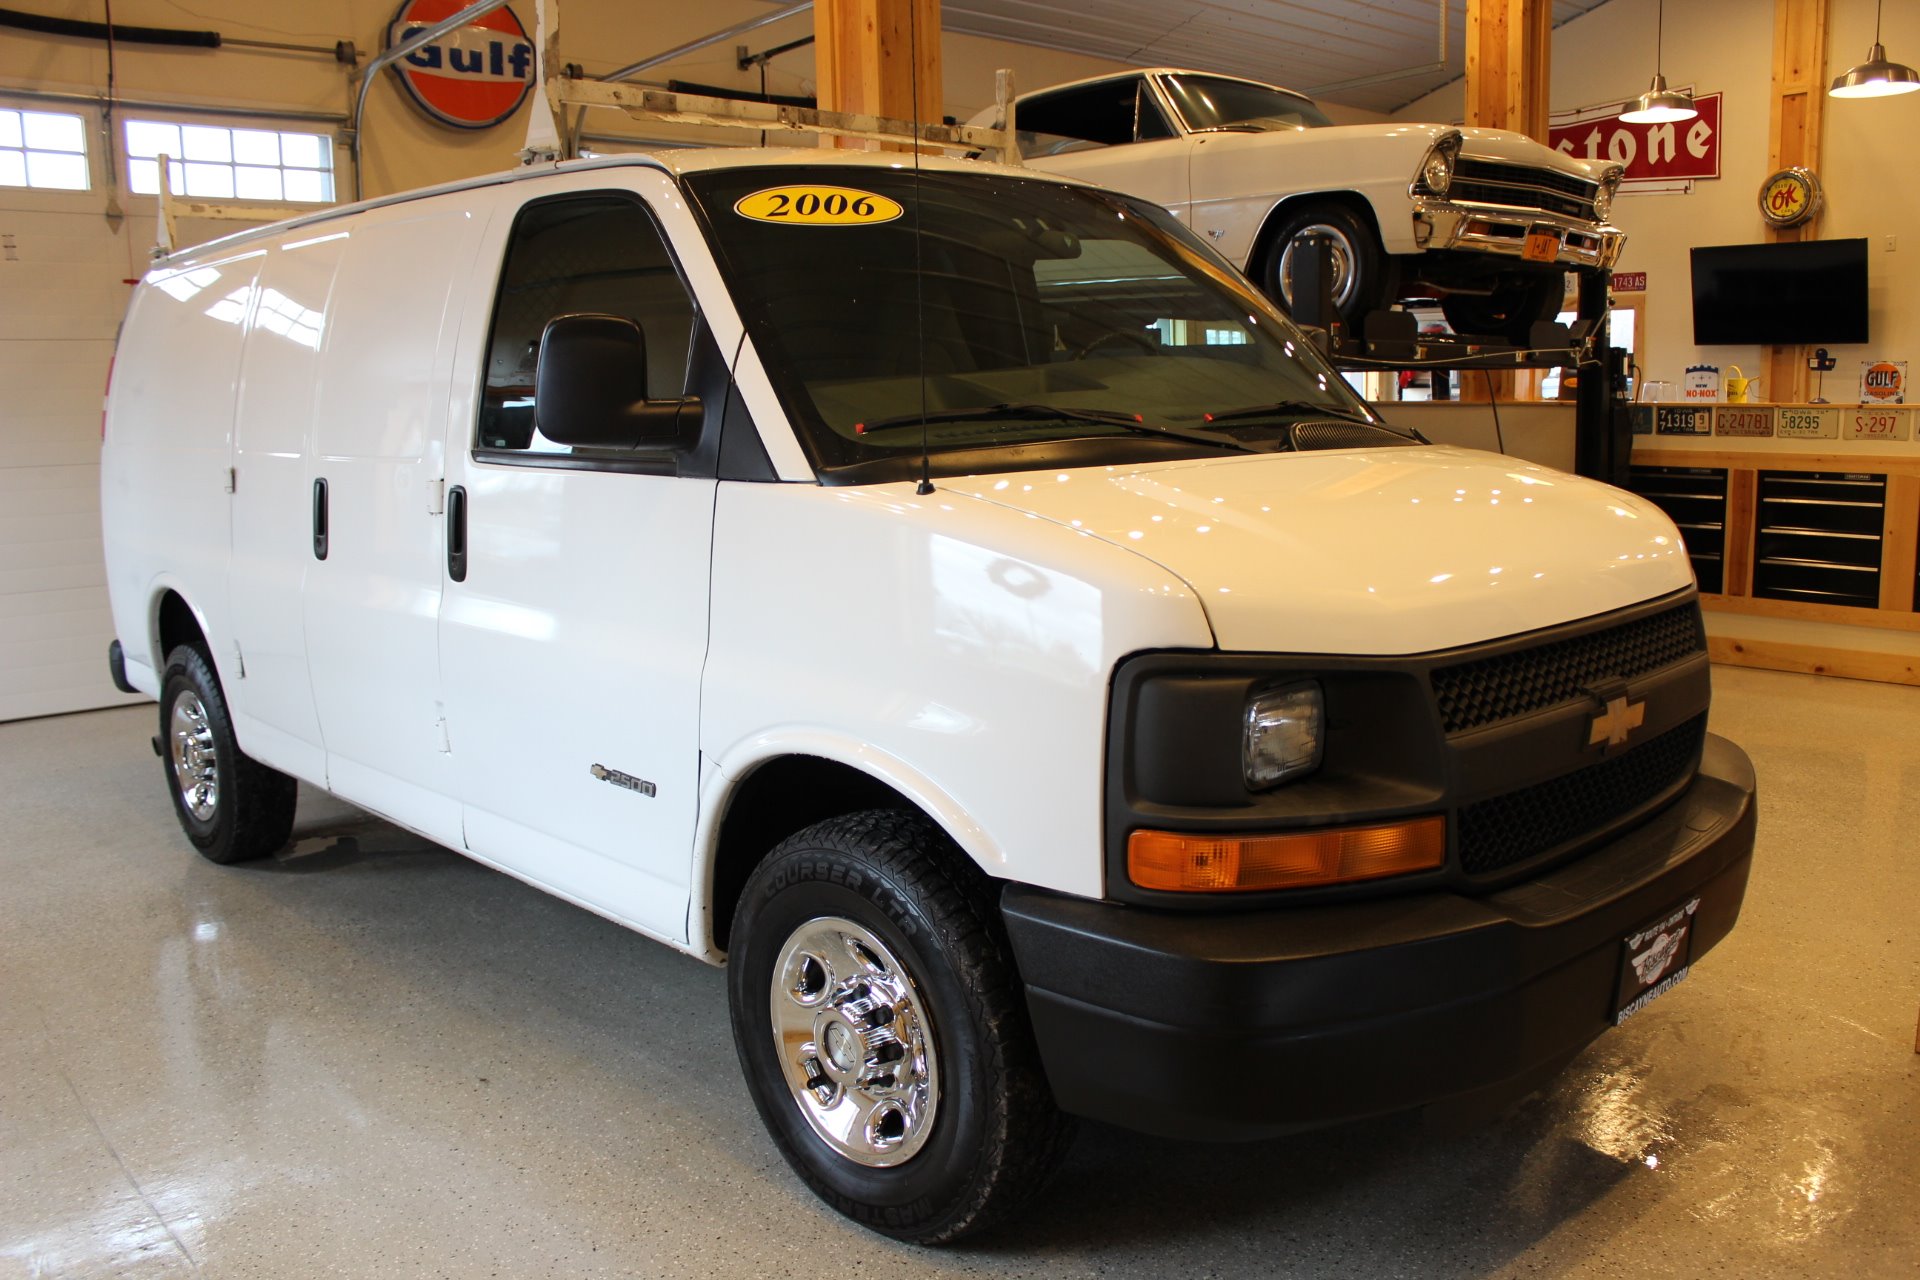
<point x="1872" y="183"/>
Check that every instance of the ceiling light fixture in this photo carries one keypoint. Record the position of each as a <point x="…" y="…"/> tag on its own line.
<point x="1659" y="104"/>
<point x="1876" y="77"/>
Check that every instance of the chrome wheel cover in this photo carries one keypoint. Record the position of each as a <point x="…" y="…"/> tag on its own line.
<point x="195" y="762"/>
<point x="851" y="1030"/>
<point x="1343" y="256"/>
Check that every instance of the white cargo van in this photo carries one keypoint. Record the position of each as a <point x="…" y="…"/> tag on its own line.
<point x="958" y="601"/>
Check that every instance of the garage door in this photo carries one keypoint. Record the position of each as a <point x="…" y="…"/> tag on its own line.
<point x="61" y="295"/>
<point x="65" y="276"/>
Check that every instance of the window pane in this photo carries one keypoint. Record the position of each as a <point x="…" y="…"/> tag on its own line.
<point x="572" y="256"/>
<point x="151" y="138"/>
<point x="58" y="170"/>
<point x="50" y="132"/>
<point x="255" y="146"/>
<point x="210" y="181"/>
<point x="204" y="143"/>
<point x="13" y="169"/>
<point x="304" y="151"/>
<point x="305" y="184"/>
<point x="143" y="176"/>
<point x="9" y="128"/>
<point x="256" y="184"/>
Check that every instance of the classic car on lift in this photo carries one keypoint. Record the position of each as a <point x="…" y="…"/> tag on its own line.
<point x="1486" y="221"/>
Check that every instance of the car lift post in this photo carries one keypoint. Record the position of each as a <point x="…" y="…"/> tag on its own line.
<point x="1602" y="432"/>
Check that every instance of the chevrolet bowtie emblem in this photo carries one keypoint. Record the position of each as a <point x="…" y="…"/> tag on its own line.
<point x="1620" y="719"/>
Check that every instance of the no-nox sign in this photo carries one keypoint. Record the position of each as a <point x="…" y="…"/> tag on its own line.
<point x="473" y="77"/>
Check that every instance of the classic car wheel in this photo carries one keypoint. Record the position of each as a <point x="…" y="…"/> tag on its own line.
<point x="231" y="806"/>
<point x="1358" y="264"/>
<point x="1517" y="301"/>
<point x="882" y="1029"/>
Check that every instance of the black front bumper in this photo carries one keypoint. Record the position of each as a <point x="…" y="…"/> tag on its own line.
<point x="1249" y="1024"/>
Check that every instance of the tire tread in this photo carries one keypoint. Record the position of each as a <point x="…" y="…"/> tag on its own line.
<point x="257" y="800"/>
<point x="1029" y="1134"/>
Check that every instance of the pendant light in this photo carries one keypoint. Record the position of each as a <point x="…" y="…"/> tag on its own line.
<point x="1659" y="104"/>
<point x="1876" y="77"/>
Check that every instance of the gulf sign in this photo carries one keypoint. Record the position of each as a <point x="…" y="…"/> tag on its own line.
<point x="473" y="77"/>
<point x="1675" y="152"/>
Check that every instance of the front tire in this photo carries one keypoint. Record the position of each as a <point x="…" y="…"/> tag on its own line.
<point x="1360" y="266"/>
<point x="232" y="807"/>
<point x="883" y="1031"/>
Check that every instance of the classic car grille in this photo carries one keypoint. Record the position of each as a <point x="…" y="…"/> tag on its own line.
<point x="1516" y="186"/>
<point x="1506" y="830"/>
<point x="1490" y="690"/>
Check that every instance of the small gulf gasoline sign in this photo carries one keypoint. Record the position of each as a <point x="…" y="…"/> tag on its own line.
<point x="1883" y="382"/>
<point x="473" y="77"/>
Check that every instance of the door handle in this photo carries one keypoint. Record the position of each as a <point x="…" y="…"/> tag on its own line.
<point x="320" y="519"/>
<point x="457" y="533"/>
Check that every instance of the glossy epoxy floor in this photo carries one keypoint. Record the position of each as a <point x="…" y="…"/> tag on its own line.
<point x="370" y="1057"/>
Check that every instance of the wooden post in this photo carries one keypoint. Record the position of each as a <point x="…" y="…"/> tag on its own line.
<point x="1509" y="47"/>
<point x="870" y="55"/>
<point x="1795" y="117"/>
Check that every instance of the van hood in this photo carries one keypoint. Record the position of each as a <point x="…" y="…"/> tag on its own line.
<point x="1375" y="551"/>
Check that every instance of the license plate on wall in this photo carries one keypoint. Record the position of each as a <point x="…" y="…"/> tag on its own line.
<point x="1542" y="245"/>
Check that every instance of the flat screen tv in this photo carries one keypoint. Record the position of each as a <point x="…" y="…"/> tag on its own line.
<point x="1795" y="293"/>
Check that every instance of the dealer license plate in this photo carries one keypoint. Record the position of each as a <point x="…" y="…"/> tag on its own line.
<point x="1655" y="960"/>
<point x="1541" y="246"/>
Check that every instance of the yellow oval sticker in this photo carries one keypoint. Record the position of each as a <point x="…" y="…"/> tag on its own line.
<point x="809" y="206"/>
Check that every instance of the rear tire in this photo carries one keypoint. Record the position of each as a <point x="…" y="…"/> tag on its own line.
<point x="1509" y="312"/>
<point x="232" y="807"/>
<point x="883" y="1030"/>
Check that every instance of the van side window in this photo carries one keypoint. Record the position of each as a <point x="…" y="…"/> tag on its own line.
<point x="571" y="255"/>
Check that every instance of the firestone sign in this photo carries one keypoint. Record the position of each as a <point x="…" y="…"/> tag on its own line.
<point x="473" y="77"/>
<point x="1675" y="152"/>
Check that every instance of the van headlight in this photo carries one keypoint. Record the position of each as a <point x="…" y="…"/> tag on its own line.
<point x="1285" y="734"/>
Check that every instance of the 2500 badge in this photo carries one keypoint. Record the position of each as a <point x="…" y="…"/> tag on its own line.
<point x="811" y="206"/>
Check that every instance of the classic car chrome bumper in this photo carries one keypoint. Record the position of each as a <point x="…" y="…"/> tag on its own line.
<point x="1486" y="228"/>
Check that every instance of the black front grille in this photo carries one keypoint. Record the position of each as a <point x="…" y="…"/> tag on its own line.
<point x="1491" y="182"/>
<point x="1507" y="830"/>
<point x="1490" y="690"/>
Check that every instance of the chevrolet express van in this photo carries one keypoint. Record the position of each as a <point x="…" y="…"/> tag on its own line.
<point x="960" y="603"/>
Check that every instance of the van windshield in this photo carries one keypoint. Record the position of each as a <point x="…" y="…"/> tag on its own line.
<point x="1053" y="324"/>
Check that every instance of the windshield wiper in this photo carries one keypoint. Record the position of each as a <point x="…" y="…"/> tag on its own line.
<point x="1032" y="411"/>
<point x="1294" y="410"/>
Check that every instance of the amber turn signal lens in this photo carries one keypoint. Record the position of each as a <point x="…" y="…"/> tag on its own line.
<point x="1187" y="863"/>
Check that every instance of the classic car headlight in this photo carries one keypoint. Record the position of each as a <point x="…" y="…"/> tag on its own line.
<point x="1285" y="734"/>
<point x="1436" y="167"/>
<point x="1609" y="186"/>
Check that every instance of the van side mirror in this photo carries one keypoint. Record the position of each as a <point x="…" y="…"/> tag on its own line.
<point x="590" y="389"/>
